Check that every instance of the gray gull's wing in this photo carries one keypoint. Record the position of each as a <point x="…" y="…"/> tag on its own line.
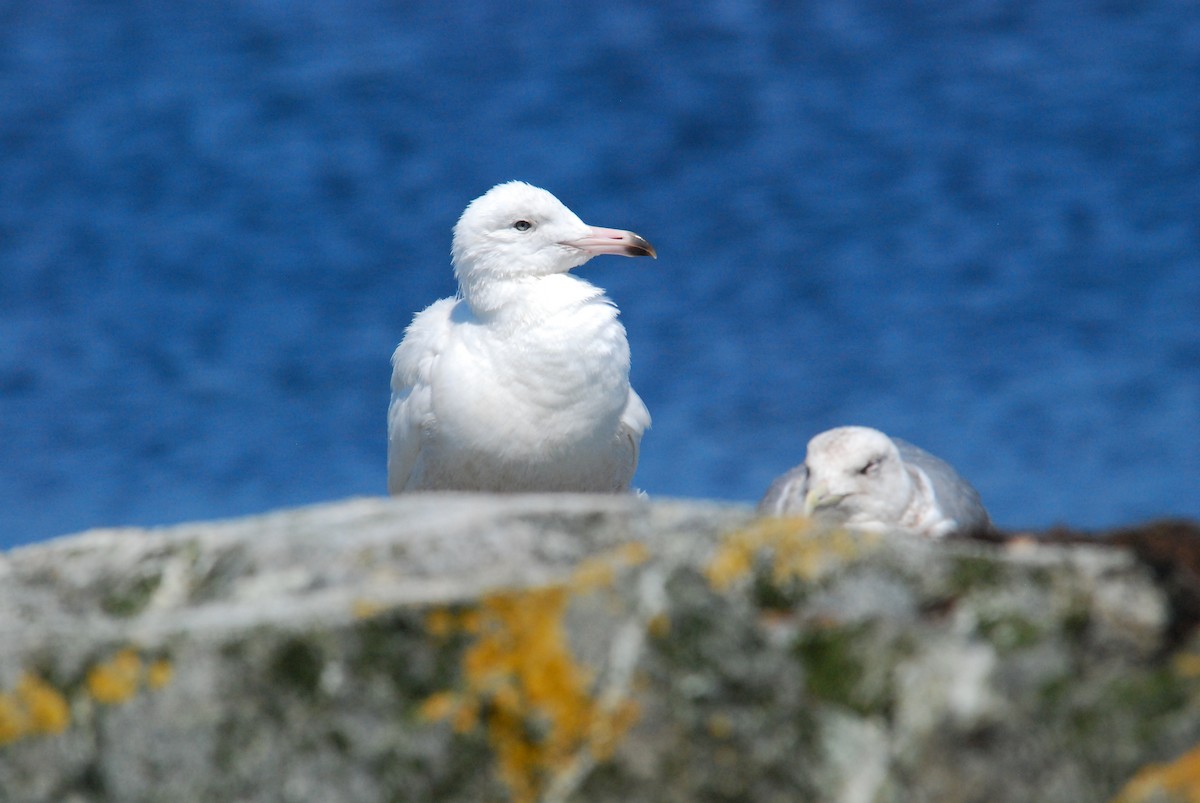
<point x="786" y="495"/>
<point x="956" y="497"/>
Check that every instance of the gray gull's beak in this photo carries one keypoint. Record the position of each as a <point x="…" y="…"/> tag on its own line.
<point x="819" y="497"/>
<point x="613" y="241"/>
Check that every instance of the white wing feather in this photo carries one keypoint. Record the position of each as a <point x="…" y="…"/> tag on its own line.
<point x="635" y="420"/>
<point x="411" y="414"/>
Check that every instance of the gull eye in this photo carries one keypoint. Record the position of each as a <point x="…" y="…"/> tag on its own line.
<point x="871" y="467"/>
<point x="522" y="225"/>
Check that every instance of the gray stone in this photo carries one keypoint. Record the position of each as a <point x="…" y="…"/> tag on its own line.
<point x="587" y="648"/>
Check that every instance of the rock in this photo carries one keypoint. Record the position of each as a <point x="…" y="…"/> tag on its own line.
<point x="553" y="648"/>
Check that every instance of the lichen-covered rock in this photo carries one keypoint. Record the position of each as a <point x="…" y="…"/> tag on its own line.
<point x="553" y="648"/>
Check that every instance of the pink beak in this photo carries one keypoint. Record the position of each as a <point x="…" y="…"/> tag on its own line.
<point x="614" y="241"/>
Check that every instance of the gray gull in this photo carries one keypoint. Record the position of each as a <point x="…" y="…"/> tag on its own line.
<point x="859" y="477"/>
<point x="521" y="383"/>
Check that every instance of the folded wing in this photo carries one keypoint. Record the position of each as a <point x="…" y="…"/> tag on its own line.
<point x="411" y="415"/>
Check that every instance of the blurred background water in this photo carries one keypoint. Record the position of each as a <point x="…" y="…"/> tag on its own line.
<point x="974" y="224"/>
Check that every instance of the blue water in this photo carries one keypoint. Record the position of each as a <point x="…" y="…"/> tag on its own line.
<point x="974" y="224"/>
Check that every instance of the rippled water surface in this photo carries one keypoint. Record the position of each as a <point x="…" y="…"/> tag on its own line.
<point x="972" y="224"/>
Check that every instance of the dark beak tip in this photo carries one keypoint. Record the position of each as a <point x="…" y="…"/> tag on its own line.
<point x="642" y="248"/>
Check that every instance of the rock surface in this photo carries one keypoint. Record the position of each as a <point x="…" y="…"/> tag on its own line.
<point x="476" y="648"/>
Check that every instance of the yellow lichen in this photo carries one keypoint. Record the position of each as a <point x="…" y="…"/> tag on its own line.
<point x="438" y="706"/>
<point x="46" y="707"/>
<point x="470" y="622"/>
<point x="523" y="686"/>
<point x="732" y="561"/>
<point x="117" y="679"/>
<point x="1187" y="664"/>
<point x="12" y="718"/>
<point x="366" y="608"/>
<point x="521" y="665"/>
<point x="633" y="553"/>
<point x="1174" y="782"/>
<point x="440" y="623"/>
<point x="720" y="726"/>
<point x="465" y="718"/>
<point x="159" y="674"/>
<point x="798" y="551"/>
<point x="593" y="574"/>
<point x="600" y="571"/>
<point x="33" y="707"/>
<point x="607" y="731"/>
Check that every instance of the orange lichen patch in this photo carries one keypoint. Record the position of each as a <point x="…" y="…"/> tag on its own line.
<point x="438" y="706"/>
<point x="524" y="687"/>
<point x="121" y="677"/>
<point x="117" y="679"/>
<point x="465" y="718"/>
<point x="593" y="574"/>
<point x="606" y="732"/>
<point x="33" y="707"/>
<point x="440" y="623"/>
<point x="470" y="622"/>
<point x="159" y="673"/>
<point x="733" y="560"/>
<point x="720" y="726"/>
<point x="1187" y="664"/>
<point x="659" y="625"/>
<point x="634" y="553"/>
<point x="1175" y="782"/>
<point x="46" y="707"/>
<point x="366" y="608"/>
<point x="601" y="571"/>
<point x="798" y="550"/>
<point x="12" y="719"/>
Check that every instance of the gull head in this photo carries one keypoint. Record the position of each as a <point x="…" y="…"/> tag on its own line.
<point x="516" y="230"/>
<point x="856" y="475"/>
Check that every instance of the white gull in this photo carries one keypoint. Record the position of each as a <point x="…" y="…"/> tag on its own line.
<point x="522" y="382"/>
<point x="861" y="478"/>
